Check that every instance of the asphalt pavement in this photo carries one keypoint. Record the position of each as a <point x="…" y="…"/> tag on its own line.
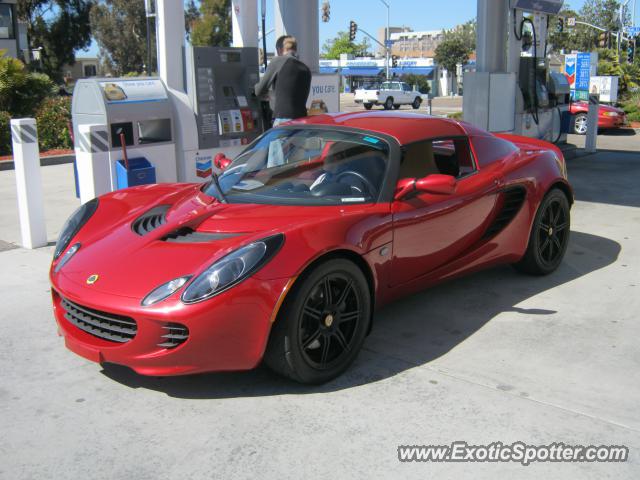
<point x="496" y="356"/>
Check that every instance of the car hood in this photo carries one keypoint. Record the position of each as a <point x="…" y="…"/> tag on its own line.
<point x="196" y="232"/>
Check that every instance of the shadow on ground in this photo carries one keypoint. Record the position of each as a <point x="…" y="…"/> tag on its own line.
<point x="408" y="333"/>
<point x="618" y="132"/>
<point x="610" y="176"/>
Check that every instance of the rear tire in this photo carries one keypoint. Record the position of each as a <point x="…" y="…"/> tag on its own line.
<point x="396" y="106"/>
<point x="367" y="106"/>
<point x="322" y="324"/>
<point x="388" y="104"/>
<point x="416" y="103"/>
<point x="549" y="236"/>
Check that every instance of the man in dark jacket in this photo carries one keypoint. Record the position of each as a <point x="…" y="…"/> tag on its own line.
<point x="288" y="81"/>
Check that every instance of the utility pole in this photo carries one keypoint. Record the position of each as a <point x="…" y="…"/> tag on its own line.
<point x="387" y="37"/>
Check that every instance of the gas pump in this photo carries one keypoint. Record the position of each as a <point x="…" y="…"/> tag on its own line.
<point x="515" y="94"/>
<point x="219" y="85"/>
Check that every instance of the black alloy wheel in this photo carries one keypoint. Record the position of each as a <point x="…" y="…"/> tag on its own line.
<point x="330" y="318"/>
<point x="553" y="233"/>
<point x="549" y="237"/>
<point x="322" y="324"/>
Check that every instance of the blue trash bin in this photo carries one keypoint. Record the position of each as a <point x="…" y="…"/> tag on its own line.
<point x="140" y="172"/>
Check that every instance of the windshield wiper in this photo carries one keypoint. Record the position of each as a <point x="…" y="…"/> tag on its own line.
<point x="214" y="180"/>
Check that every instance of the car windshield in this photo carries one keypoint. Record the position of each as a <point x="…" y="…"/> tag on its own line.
<point x="289" y="166"/>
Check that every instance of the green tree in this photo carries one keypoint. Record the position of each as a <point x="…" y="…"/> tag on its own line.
<point x="58" y="28"/>
<point x="450" y="53"/>
<point x="213" y="26"/>
<point x="465" y="32"/>
<point x="334" y="47"/>
<point x="191" y="15"/>
<point x="420" y="81"/>
<point x="120" y="30"/>
<point x="21" y="91"/>
<point x="566" y="40"/>
<point x="583" y="38"/>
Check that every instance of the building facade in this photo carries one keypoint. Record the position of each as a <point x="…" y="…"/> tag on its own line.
<point x="369" y="71"/>
<point x="416" y="44"/>
<point x="13" y="34"/>
<point x="84" y="67"/>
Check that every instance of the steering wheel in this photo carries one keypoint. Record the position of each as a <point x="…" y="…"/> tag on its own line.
<point x="369" y="186"/>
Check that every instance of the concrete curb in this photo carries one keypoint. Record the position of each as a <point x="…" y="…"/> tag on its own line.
<point x="44" y="161"/>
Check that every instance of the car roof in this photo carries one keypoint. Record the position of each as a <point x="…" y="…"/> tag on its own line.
<point x="405" y="127"/>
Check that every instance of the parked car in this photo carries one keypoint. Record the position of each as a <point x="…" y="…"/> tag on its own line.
<point x="608" y="117"/>
<point x="285" y="256"/>
<point x="389" y="95"/>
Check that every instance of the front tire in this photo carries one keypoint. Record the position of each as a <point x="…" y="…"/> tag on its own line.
<point x="580" y="124"/>
<point x="322" y="325"/>
<point x="416" y="103"/>
<point x="549" y="236"/>
<point x="388" y="104"/>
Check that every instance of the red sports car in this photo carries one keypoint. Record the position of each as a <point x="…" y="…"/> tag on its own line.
<point x="608" y="117"/>
<point x="286" y="255"/>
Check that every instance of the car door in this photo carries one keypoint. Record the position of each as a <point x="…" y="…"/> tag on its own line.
<point x="407" y="94"/>
<point x="431" y="230"/>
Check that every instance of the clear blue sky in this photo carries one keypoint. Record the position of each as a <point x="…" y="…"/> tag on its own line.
<point x="372" y="14"/>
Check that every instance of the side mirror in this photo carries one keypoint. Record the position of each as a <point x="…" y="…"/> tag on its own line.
<point x="435" y="183"/>
<point x="221" y="162"/>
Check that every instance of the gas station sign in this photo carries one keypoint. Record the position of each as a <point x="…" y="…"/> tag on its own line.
<point x="579" y="68"/>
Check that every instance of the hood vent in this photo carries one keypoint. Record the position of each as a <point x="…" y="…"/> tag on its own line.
<point x="188" y="235"/>
<point x="512" y="200"/>
<point x="150" y="220"/>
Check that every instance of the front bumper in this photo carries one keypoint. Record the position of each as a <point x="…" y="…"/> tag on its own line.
<point x="226" y="332"/>
<point x="612" y="122"/>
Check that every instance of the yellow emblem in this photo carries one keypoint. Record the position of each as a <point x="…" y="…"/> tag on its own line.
<point x="92" y="279"/>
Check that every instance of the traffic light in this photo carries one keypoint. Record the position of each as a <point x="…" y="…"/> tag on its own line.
<point x="631" y="50"/>
<point x="326" y="11"/>
<point x="353" y="29"/>
<point x="394" y="61"/>
<point x="602" y="39"/>
<point x="560" y="25"/>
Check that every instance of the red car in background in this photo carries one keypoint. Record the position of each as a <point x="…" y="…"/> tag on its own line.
<point x="286" y="255"/>
<point x="608" y="117"/>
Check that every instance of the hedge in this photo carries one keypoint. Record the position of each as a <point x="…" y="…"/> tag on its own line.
<point x="5" y="133"/>
<point x="53" y="119"/>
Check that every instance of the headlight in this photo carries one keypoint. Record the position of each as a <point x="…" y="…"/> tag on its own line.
<point x="610" y="114"/>
<point x="232" y="269"/>
<point x="165" y="290"/>
<point x="73" y="225"/>
<point x="67" y="256"/>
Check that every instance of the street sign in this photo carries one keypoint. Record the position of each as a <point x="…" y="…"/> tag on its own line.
<point x="632" y="31"/>
<point x="571" y="21"/>
<point x="388" y="43"/>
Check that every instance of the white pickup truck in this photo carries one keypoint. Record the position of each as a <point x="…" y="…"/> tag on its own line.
<point x="389" y="95"/>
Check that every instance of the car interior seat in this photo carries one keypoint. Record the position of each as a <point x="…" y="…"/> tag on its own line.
<point x="418" y="161"/>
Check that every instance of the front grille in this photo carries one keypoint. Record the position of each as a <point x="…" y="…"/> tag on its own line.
<point x="107" y="326"/>
<point x="176" y="335"/>
<point x="150" y="220"/>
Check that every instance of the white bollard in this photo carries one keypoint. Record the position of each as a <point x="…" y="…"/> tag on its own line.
<point x="92" y="161"/>
<point x="592" y="124"/>
<point x="26" y="158"/>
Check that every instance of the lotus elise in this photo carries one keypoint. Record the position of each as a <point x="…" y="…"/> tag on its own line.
<point x="285" y="255"/>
